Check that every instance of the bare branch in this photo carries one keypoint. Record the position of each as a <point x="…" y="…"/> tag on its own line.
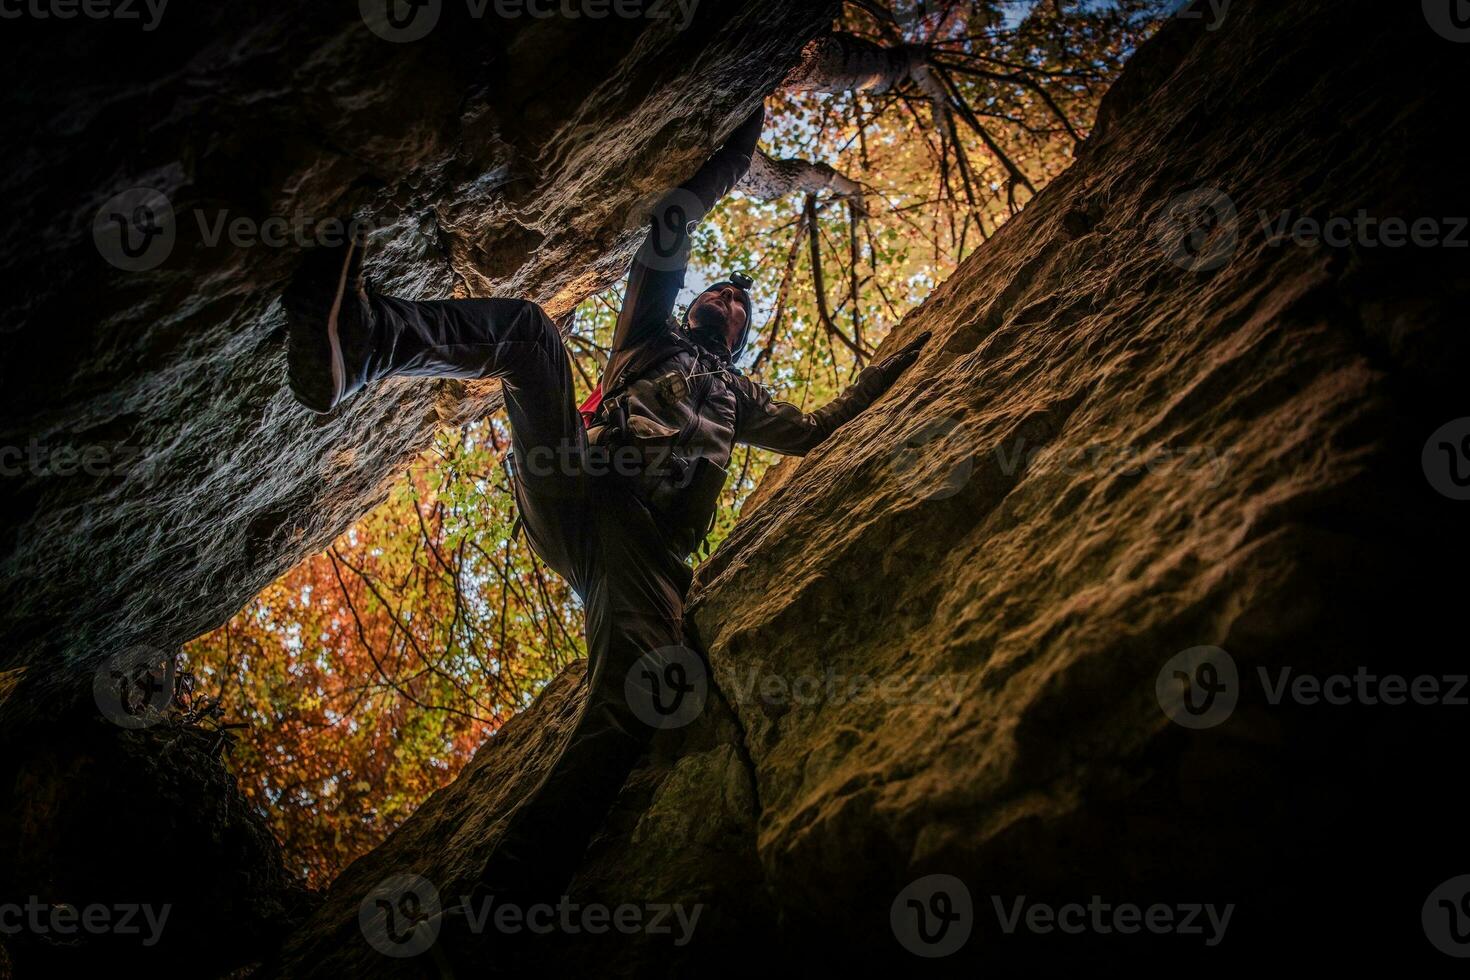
<point x="769" y="179"/>
<point x="1025" y="81"/>
<point x="819" y="284"/>
<point x="1015" y="172"/>
<point x="854" y="252"/>
<point x="848" y="63"/>
<point x="782" y="292"/>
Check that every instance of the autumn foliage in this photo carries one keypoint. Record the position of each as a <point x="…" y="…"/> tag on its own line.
<point x="369" y="674"/>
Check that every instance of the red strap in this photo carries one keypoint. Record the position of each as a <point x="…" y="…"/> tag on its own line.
<point x="590" y="406"/>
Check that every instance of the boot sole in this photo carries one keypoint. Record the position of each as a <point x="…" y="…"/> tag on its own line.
<point x="339" y="370"/>
<point x="306" y="348"/>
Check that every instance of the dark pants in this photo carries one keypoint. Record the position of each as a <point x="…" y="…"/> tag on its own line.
<point x="593" y="532"/>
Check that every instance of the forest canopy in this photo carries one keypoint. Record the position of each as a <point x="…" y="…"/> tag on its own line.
<point x="365" y="678"/>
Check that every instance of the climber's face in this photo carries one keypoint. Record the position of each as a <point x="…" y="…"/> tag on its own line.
<point x="721" y="312"/>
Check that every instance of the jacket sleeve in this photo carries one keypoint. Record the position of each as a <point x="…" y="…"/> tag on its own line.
<point x="657" y="273"/>
<point x="766" y="423"/>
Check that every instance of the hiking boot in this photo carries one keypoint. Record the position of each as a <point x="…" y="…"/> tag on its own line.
<point x="330" y="344"/>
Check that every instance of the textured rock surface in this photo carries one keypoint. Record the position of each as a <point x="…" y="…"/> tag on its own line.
<point x="1112" y="452"/>
<point x="977" y="541"/>
<point x="1106" y="458"/>
<point x="497" y="156"/>
<point x="682" y="832"/>
<point x="142" y="817"/>
<point x="494" y="156"/>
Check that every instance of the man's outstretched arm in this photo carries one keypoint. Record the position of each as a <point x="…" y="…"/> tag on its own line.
<point x="658" y="270"/>
<point x="780" y="426"/>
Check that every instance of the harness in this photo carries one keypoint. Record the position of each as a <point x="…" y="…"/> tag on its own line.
<point x="687" y="498"/>
<point x="602" y="408"/>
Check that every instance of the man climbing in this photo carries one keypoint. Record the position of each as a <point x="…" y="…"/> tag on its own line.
<point x="664" y="422"/>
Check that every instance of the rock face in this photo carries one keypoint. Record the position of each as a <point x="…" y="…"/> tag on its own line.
<point x="157" y="472"/>
<point x="495" y="156"/>
<point x="1143" y="427"/>
<point x="142" y="819"/>
<point x="681" y="837"/>
<point x="950" y="642"/>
